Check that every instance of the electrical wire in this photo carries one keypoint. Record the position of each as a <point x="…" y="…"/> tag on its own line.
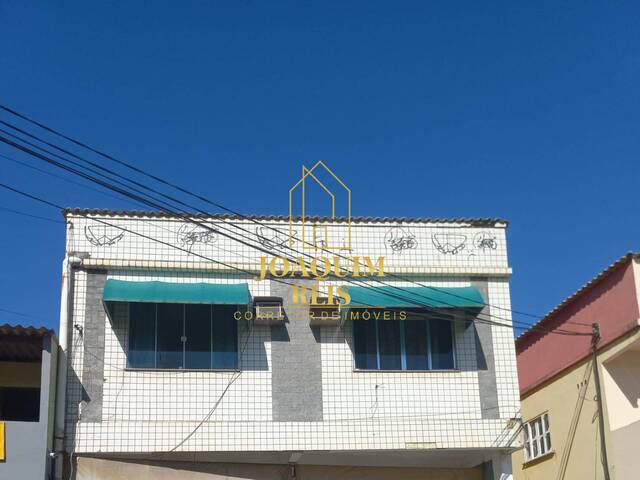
<point x="24" y="214"/>
<point x="279" y="280"/>
<point x="155" y="199"/>
<point x="232" y="380"/>
<point x="199" y="425"/>
<point x="65" y="179"/>
<point x="194" y="195"/>
<point x="124" y="192"/>
<point x="187" y="217"/>
<point x="435" y="288"/>
<point x="19" y="314"/>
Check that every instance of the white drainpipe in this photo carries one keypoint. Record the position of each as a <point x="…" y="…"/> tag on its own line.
<point x="61" y="387"/>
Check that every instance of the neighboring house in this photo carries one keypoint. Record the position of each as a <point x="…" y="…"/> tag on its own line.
<point x="28" y="359"/>
<point x="560" y="411"/>
<point x="167" y="378"/>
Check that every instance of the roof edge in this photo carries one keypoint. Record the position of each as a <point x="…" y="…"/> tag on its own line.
<point x="484" y="222"/>
<point x="627" y="257"/>
<point x="625" y="332"/>
<point x="26" y="331"/>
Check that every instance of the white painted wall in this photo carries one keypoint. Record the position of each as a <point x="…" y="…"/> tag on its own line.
<point x="153" y="411"/>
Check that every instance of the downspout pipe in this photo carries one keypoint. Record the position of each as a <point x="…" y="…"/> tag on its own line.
<point x="61" y="387"/>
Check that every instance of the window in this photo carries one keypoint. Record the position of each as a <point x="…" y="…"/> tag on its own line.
<point x="537" y="438"/>
<point x="19" y="404"/>
<point x="416" y="344"/>
<point x="177" y="336"/>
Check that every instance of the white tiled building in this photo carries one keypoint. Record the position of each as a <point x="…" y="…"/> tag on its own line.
<point x="160" y="379"/>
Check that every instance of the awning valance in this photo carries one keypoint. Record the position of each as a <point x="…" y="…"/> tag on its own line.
<point x="163" y="292"/>
<point x="415" y="297"/>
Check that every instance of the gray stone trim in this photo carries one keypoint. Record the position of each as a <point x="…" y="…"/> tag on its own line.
<point x="93" y="340"/>
<point x="485" y="358"/>
<point x="296" y="378"/>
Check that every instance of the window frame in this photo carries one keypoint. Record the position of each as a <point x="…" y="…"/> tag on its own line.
<point x="403" y="347"/>
<point x="540" y="438"/>
<point x="128" y="367"/>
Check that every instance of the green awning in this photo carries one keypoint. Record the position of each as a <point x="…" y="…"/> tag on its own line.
<point x="415" y="297"/>
<point x="162" y="292"/>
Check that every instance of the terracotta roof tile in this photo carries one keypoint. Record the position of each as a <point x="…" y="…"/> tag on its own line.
<point x="586" y="287"/>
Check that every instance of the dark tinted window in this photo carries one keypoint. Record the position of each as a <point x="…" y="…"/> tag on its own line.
<point x="197" y="327"/>
<point x="225" y="337"/>
<point x="417" y="343"/>
<point x="441" y="344"/>
<point x="389" y="344"/>
<point x="173" y="336"/>
<point x="142" y="335"/>
<point x="365" y="344"/>
<point x="169" y="334"/>
<point x="19" y="404"/>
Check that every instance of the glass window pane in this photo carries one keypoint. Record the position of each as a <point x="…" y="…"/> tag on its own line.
<point x="197" y="327"/>
<point x="416" y="346"/>
<point x="364" y="344"/>
<point x="170" y="328"/>
<point x="19" y="404"/>
<point x="441" y="344"/>
<point x="142" y="335"/>
<point x="548" y="437"/>
<point x="389" y="342"/>
<point x="225" y="337"/>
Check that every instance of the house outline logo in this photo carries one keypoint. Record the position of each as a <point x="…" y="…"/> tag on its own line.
<point x="317" y="230"/>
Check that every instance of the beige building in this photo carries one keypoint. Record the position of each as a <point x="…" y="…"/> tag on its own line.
<point x="560" y="408"/>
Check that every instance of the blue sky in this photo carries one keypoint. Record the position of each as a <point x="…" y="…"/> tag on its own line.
<point x="529" y="112"/>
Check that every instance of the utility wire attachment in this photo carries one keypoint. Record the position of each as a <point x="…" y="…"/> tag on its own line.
<point x="595" y="334"/>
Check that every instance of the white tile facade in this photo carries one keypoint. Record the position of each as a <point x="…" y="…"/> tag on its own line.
<point x="159" y="411"/>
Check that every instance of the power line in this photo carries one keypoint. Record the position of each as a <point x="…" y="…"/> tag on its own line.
<point x="429" y="308"/>
<point x="215" y="405"/>
<point x="128" y="194"/>
<point x="154" y="204"/>
<point x="19" y="314"/>
<point x="194" y="195"/>
<point x="278" y="280"/>
<point x="64" y="179"/>
<point x="218" y="401"/>
<point x="83" y="174"/>
<point x="24" y="214"/>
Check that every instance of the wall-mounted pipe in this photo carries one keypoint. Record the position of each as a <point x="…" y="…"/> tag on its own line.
<point x="61" y="386"/>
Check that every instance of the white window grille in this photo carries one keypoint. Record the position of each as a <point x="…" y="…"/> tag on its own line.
<point x="537" y="438"/>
